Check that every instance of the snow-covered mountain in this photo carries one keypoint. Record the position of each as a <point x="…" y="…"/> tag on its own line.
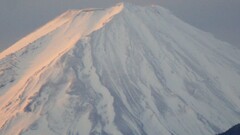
<point x="125" y="70"/>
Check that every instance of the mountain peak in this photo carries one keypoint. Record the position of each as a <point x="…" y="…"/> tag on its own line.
<point x="96" y="17"/>
<point x="68" y="17"/>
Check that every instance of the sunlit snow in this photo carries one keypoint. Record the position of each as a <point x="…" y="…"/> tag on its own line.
<point x="125" y="70"/>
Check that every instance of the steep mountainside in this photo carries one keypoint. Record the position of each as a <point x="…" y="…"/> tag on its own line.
<point x="125" y="70"/>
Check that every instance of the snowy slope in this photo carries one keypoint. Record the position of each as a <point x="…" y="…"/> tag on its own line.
<point x="125" y="70"/>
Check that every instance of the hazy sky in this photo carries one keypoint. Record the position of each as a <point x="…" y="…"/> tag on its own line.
<point x="20" y="17"/>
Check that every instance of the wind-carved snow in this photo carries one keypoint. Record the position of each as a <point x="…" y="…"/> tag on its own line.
<point x="126" y="70"/>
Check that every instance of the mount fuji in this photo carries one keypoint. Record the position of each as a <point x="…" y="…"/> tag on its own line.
<point x="124" y="70"/>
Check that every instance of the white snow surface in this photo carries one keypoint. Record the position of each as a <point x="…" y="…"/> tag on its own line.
<point x="125" y="70"/>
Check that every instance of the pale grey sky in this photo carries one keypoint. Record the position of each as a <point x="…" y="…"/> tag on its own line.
<point x="20" y="17"/>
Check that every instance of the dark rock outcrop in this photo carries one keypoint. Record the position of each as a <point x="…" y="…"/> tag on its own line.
<point x="235" y="130"/>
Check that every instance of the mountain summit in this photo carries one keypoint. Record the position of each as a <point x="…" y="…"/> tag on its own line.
<point x="125" y="70"/>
